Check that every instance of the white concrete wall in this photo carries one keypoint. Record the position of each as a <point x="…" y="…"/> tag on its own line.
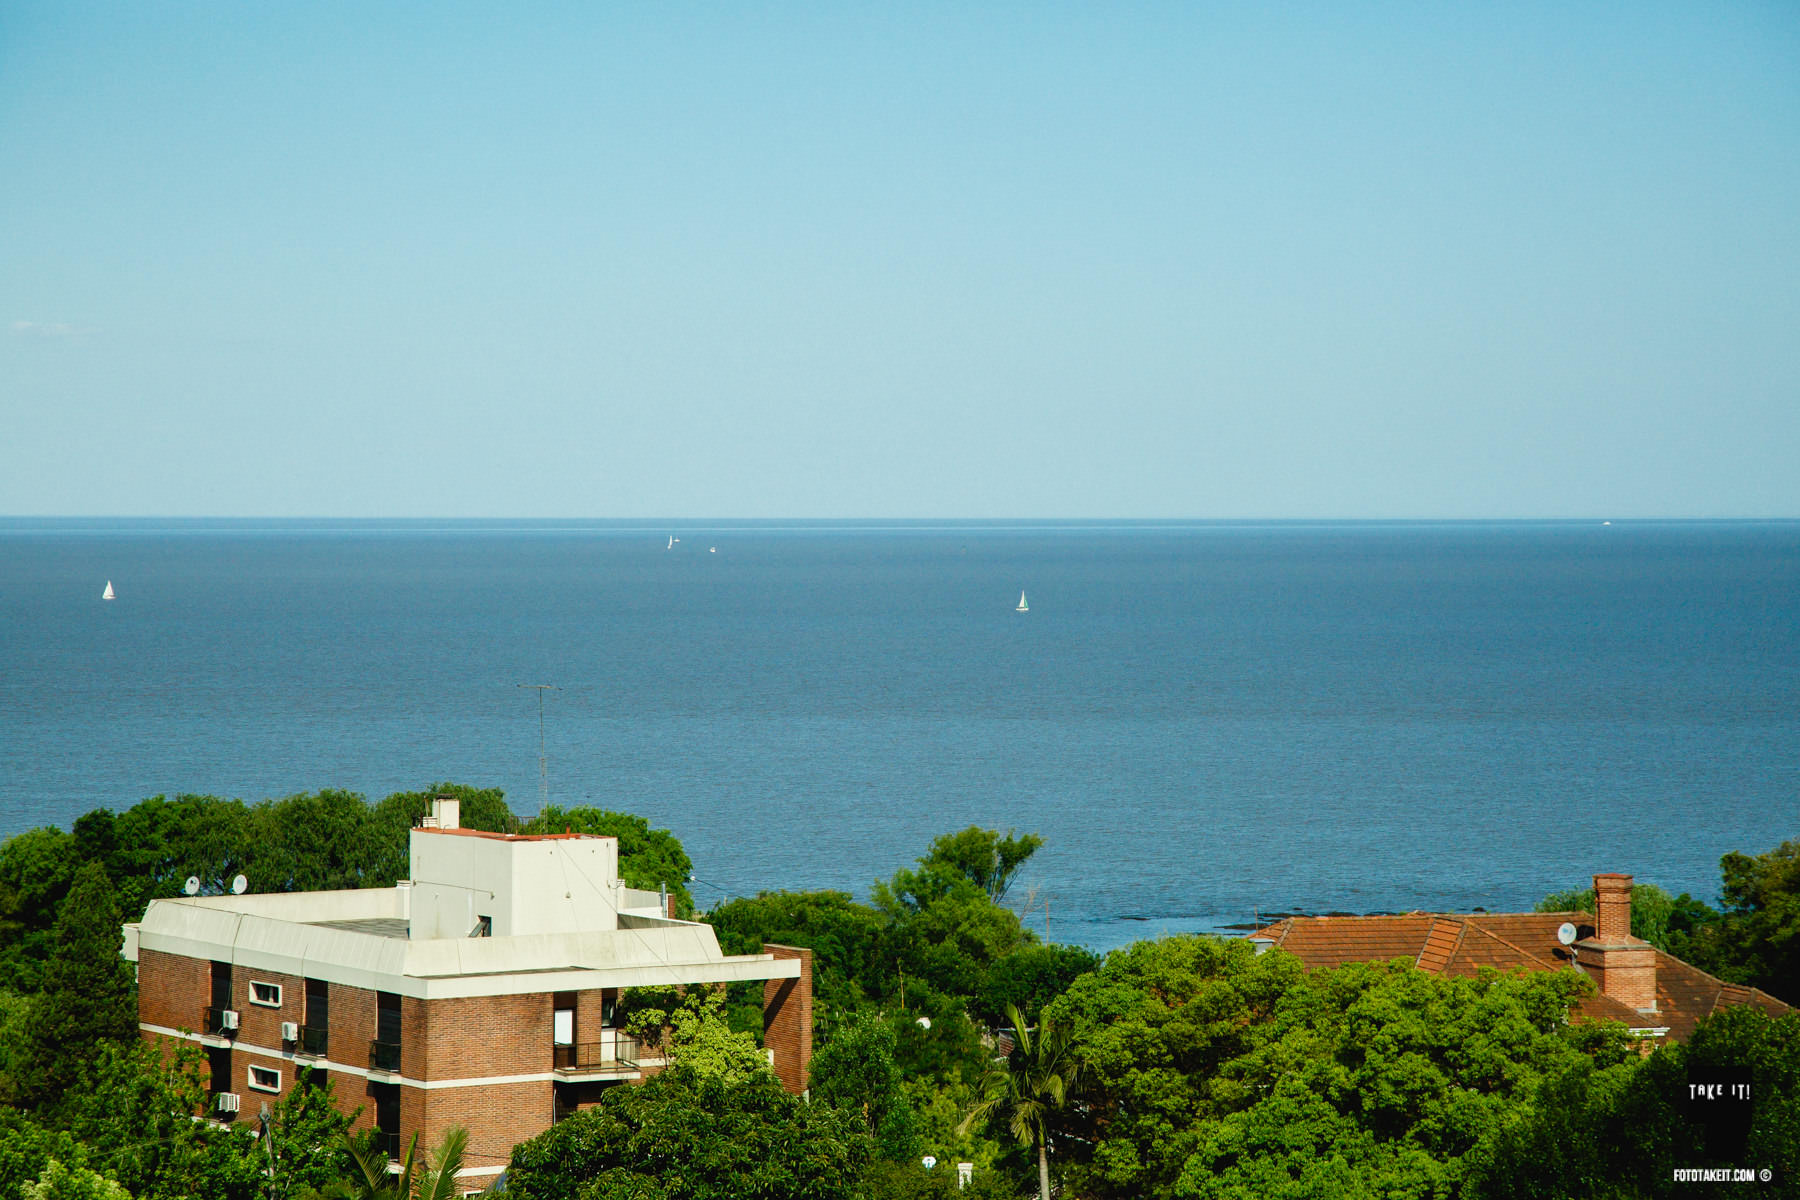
<point x="527" y="886"/>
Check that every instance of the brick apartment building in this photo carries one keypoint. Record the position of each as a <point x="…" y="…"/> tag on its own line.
<point x="481" y="992"/>
<point x="1656" y="995"/>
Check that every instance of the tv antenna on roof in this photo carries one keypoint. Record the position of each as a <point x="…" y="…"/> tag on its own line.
<point x="543" y="767"/>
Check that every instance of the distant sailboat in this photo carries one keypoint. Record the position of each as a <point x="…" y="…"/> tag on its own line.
<point x="108" y="593"/>
<point x="1023" y="607"/>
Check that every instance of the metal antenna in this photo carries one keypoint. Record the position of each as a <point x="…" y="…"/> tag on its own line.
<point x="543" y="762"/>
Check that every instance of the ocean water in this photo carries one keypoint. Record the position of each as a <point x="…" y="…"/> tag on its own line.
<point x="1206" y="721"/>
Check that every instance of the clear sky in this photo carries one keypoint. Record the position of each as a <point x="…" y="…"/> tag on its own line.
<point x="904" y="260"/>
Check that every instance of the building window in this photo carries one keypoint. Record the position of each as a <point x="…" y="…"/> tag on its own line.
<point x="265" y="1079"/>
<point x="268" y="994"/>
<point x="384" y="1051"/>
<point x="315" y="1032"/>
<point x="218" y="1069"/>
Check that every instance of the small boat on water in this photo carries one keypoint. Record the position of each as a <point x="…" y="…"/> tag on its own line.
<point x="1023" y="607"/>
<point x="108" y="593"/>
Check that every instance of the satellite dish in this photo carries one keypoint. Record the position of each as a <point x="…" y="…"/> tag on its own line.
<point x="928" y="1162"/>
<point x="1565" y="933"/>
<point x="192" y="886"/>
<point x="924" y="1022"/>
<point x="238" y="884"/>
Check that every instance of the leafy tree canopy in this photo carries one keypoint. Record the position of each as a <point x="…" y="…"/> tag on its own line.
<point x="1598" y="1131"/>
<point x="856" y="1071"/>
<point x="843" y="935"/>
<point x="88" y="997"/>
<point x="137" y="1123"/>
<point x="1762" y="918"/>
<point x="701" y="1041"/>
<point x="683" y="1134"/>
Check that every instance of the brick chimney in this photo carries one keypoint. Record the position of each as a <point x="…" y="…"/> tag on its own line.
<point x="1621" y="966"/>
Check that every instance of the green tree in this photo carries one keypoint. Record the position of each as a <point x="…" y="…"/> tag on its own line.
<point x="1029" y="978"/>
<point x="855" y="1071"/>
<point x="984" y="857"/>
<point x="88" y="999"/>
<point x="1600" y="1132"/>
<point x="701" y="1041"/>
<point x="59" y="1182"/>
<point x="1761" y="919"/>
<point x="844" y="936"/>
<point x="1033" y="1088"/>
<point x="36" y="868"/>
<point x="308" y="1138"/>
<point x="683" y="1134"/>
<point x="138" y="1122"/>
<point x="26" y="1148"/>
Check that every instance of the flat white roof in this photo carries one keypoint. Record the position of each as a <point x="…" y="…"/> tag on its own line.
<point x="349" y="937"/>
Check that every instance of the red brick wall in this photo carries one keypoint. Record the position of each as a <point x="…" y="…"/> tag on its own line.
<point x="788" y="1019"/>
<point x="173" y="990"/>
<point x="497" y="1116"/>
<point x="481" y="1035"/>
<point x="259" y="1025"/>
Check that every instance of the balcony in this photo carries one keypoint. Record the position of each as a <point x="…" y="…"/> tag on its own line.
<point x="313" y="1041"/>
<point x="617" y="1056"/>
<point x="221" y="1022"/>
<point x="384" y="1056"/>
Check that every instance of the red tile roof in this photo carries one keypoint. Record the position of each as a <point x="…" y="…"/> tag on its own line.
<point x="1462" y="944"/>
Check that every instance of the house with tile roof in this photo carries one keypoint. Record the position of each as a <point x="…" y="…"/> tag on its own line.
<point x="1656" y="995"/>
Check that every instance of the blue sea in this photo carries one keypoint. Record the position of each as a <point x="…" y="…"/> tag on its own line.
<point x="1207" y="722"/>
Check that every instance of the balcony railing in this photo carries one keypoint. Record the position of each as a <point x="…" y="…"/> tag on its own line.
<point x="384" y="1056"/>
<point x="215" y="1022"/>
<point x="621" y="1053"/>
<point x="313" y="1040"/>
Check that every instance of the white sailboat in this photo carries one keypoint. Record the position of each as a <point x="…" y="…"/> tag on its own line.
<point x="1023" y="607"/>
<point x="108" y="593"/>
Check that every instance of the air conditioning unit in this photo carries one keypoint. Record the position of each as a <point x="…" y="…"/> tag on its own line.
<point x="290" y="1031"/>
<point x="227" y="1102"/>
<point x="228" y="1019"/>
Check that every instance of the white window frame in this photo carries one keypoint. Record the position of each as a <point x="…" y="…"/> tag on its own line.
<point x="250" y="1073"/>
<point x="256" y="999"/>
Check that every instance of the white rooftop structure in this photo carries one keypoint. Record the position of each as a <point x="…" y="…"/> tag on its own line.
<point x="484" y="914"/>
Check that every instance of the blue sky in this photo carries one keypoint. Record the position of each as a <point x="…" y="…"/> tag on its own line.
<point x="1030" y="260"/>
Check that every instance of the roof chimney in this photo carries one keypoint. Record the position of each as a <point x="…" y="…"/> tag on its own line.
<point x="1621" y="966"/>
<point x="1612" y="907"/>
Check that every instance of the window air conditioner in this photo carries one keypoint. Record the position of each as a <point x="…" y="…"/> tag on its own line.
<point x="228" y="1102"/>
<point x="290" y="1031"/>
<point x="228" y="1019"/>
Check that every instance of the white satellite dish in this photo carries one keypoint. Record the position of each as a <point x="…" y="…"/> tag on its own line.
<point x="1565" y="933"/>
<point x="928" y="1162"/>
<point x="238" y="884"/>
<point x="924" y="1023"/>
<point x="192" y="886"/>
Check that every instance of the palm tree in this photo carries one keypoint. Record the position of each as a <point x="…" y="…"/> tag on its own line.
<point x="1030" y="1089"/>
<point x="436" y="1181"/>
